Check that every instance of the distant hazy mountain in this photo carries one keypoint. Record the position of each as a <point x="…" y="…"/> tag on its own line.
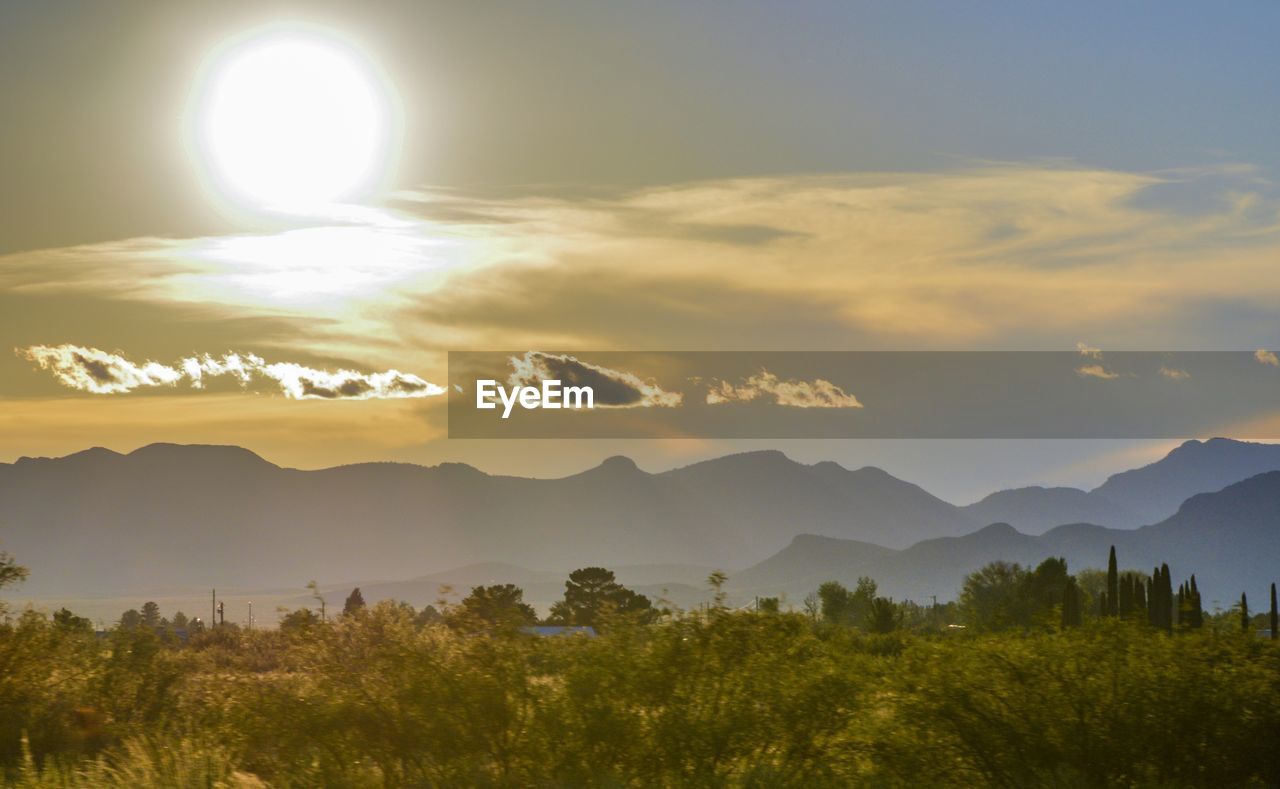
<point x="1230" y="539"/>
<point x="99" y="522"/>
<point x="183" y="517"/>
<point x="1132" y="498"/>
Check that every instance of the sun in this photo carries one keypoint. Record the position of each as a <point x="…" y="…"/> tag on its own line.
<point x="292" y="120"/>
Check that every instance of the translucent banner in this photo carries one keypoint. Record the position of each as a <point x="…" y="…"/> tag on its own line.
<point x="863" y="394"/>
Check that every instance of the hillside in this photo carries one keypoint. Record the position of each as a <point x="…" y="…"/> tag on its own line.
<point x="99" y="522"/>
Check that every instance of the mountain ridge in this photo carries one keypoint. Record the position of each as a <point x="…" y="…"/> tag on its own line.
<point x="97" y="521"/>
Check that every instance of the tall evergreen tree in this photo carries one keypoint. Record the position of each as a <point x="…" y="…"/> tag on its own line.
<point x="1162" y="593"/>
<point x="1071" y="616"/>
<point x="1274" y="618"/>
<point x="1113" y="584"/>
<point x="1139" y="599"/>
<point x="1244" y="612"/>
<point x="1126" y="596"/>
<point x="354" y="603"/>
<point x="1197" y="609"/>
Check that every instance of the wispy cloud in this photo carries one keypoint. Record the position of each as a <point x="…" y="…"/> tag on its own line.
<point x="101" y="372"/>
<point x="1174" y="373"/>
<point x="611" y="388"/>
<point x="1266" y="357"/>
<point x="818" y="393"/>
<point x="1093" y="370"/>
<point x="1096" y="371"/>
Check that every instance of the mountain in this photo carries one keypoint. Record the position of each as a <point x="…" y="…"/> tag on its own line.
<point x="100" y="522"/>
<point x="1156" y="491"/>
<point x="1132" y="498"/>
<point x="1037" y="509"/>
<point x="1229" y="538"/>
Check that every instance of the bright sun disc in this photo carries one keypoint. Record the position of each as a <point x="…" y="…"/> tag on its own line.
<point x="290" y="120"/>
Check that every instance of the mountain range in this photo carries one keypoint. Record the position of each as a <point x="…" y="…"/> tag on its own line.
<point x="185" y="517"/>
<point x="1230" y="539"/>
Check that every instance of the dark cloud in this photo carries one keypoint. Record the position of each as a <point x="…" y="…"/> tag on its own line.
<point x="610" y="388"/>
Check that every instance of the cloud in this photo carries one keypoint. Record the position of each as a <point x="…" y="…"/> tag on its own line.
<point x="1096" y="371"/>
<point x="818" y="393"/>
<point x="1175" y="374"/>
<point x="100" y="372"/>
<point x="1088" y="352"/>
<point x="1266" y="357"/>
<point x="611" y="388"/>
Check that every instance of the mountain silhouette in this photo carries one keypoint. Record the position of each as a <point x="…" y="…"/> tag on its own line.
<point x="168" y="515"/>
<point x="1132" y="498"/>
<point x="1230" y="539"/>
<point x="182" y="517"/>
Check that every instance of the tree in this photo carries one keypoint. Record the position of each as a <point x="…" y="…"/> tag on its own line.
<point x="1043" y="590"/>
<point x="130" y="620"/>
<point x="180" y="621"/>
<point x="427" y="616"/>
<point x="500" y="606"/>
<point x="354" y="604"/>
<point x="150" y="615"/>
<point x="63" y="619"/>
<point x="1273" y="623"/>
<point x="591" y="594"/>
<point x="10" y="573"/>
<point x="299" y="621"/>
<point x="1197" y="605"/>
<point x="1160" y="599"/>
<point x="842" y="606"/>
<point x="1244" y="612"/>
<point x="992" y="598"/>
<point x="812" y="605"/>
<point x="1071" y="614"/>
<point x="882" y="615"/>
<point x="768" y="605"/>
<point x="836" y="601"/>
<point x="1113" y="585"/>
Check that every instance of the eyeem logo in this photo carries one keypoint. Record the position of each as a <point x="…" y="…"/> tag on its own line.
<point x="550" y="395"/>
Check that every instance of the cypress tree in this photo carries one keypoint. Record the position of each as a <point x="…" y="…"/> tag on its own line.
<point x="1244" y="612"/>
<point x="1166" y="599"/>
<point x="1139" y="599"/>
<point x="1274" y="622"/>
<point x="1126" y="596"/>
<point x="1197" y="610"/>
<point x="1113" y="585"/>
<point x="1182" y="604"/>
<point x="1070" y="603"/>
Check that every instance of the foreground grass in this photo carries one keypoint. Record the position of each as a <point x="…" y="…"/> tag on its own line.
<point x="714" y="699"/>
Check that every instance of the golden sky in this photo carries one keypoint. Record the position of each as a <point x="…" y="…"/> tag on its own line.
<point x="658" y="236"/>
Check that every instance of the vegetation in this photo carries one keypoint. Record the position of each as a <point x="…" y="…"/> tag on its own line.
<point x="1038" y="689"/>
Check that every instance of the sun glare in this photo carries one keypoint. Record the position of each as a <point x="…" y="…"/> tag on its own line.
<point x="292" y="121"/>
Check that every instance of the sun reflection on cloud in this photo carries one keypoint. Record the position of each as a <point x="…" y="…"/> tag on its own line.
<point x="315" y="265"/>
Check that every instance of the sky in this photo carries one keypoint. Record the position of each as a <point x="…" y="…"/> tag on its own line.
<point x="630" y="176"/>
